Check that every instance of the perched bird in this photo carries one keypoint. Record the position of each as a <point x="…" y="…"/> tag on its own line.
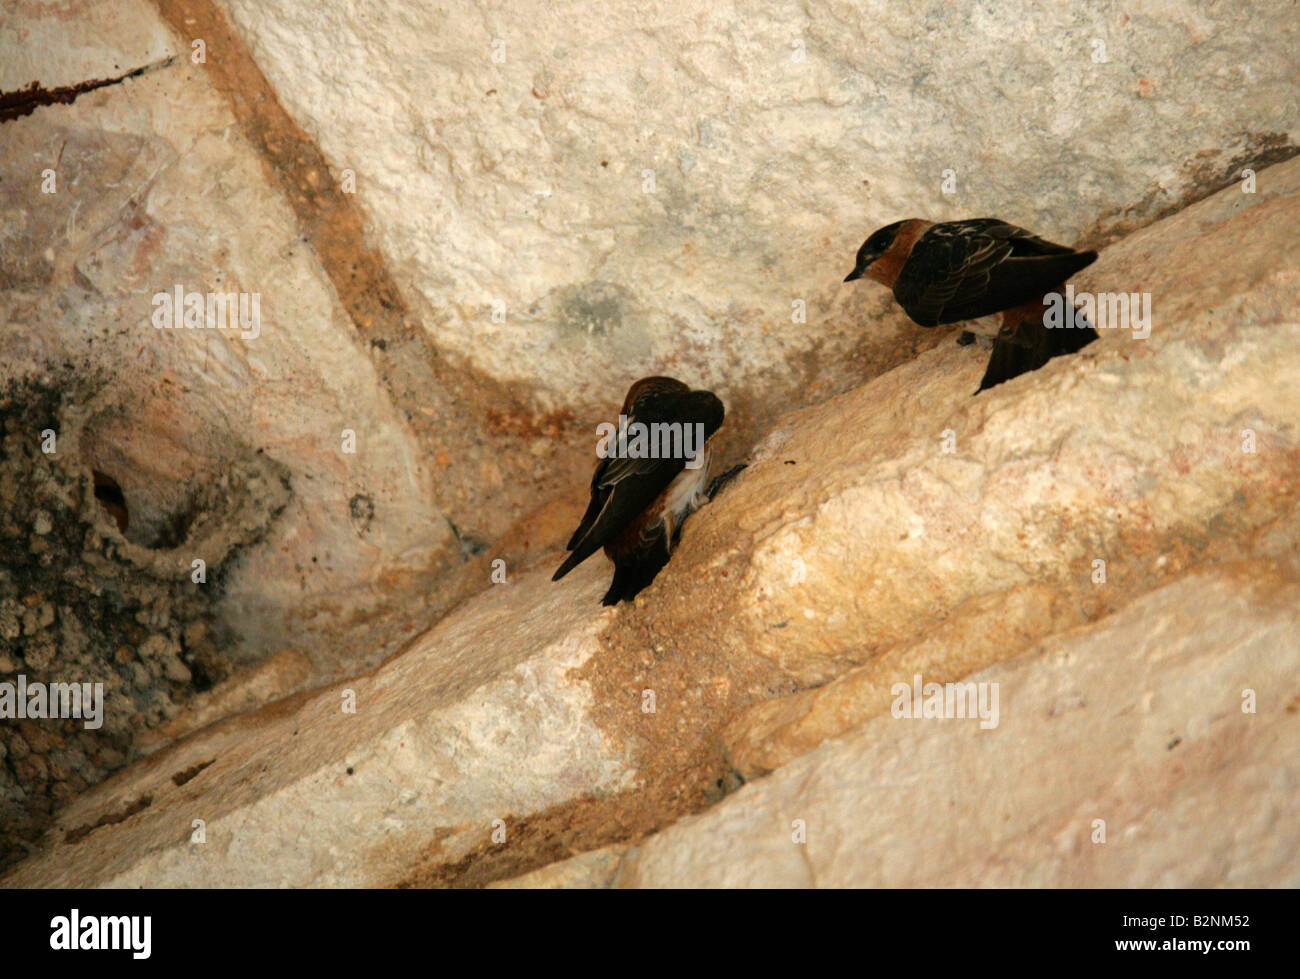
<point x="961" y="270"/>
<point x="639" y="501"/>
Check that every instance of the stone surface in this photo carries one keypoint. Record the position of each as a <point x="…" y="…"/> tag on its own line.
<point x="504" y="156"/>
<point x="648" y="189"/>
<point x="154" y="189"/>
<point x="1136" y="720"/>
<point x="477" y="722"/>
<point x="984" y="630"/>
<point x="874" y="549"/>
<point x="593" y="869"/>
<point x="228" y="449"/>
<point x="855" y="529"/>
<point x="79" y="41"/>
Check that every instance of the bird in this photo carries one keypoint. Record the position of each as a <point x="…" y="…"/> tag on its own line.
<point x="639" y="502"/>
<point x="962" y="270"/>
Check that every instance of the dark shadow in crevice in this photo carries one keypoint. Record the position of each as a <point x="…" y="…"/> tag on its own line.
<point x="25" y="101"/>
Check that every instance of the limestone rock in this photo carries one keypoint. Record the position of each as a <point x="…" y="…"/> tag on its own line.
<point x="984" y="630"/>
<point x="1122" y="757"/>
<point x="148" y="198"/>
<point x="1112" y="540"/>
<point x="1137" y="721"/>
<point x="87" y="40"/>
<point x="595" y="868"/>
<point x="1131" y="450"/>
<point x="865" y="521"/>
<point x="652" y="187"/>
<point x="479" y="721"/>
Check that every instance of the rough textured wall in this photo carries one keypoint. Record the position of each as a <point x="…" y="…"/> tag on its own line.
<point x="502" y="153"/>
<point x="226" y="448"/>
<point x="550" y="201"/>
<point x="155" y="189"/>
<point x="856" y="551"/>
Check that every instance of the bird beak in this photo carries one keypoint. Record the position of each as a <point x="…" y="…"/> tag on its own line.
<point x="855" y="274"/>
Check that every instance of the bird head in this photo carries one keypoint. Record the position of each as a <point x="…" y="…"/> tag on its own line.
<point x="650" y="385"/>
<point x="875" y="246"/>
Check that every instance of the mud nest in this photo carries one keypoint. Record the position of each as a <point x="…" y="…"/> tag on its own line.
<point x="76" y="606"/>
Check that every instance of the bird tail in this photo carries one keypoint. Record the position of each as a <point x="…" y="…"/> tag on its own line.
<point x="1032" y="343"/>
<point x="630" y="577"/>
<point x="1070" y="339"/>
<point x="570" y="562"/>
<point x="622" y="587"/>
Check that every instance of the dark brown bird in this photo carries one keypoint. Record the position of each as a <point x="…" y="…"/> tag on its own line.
<point x="962" y="270"/>
<point x="639" y="501"/>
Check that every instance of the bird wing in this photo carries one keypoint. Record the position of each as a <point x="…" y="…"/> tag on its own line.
<point x="966" y="269"/>
<point x="949" y="263"/>
<point x="622" y="487"/>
